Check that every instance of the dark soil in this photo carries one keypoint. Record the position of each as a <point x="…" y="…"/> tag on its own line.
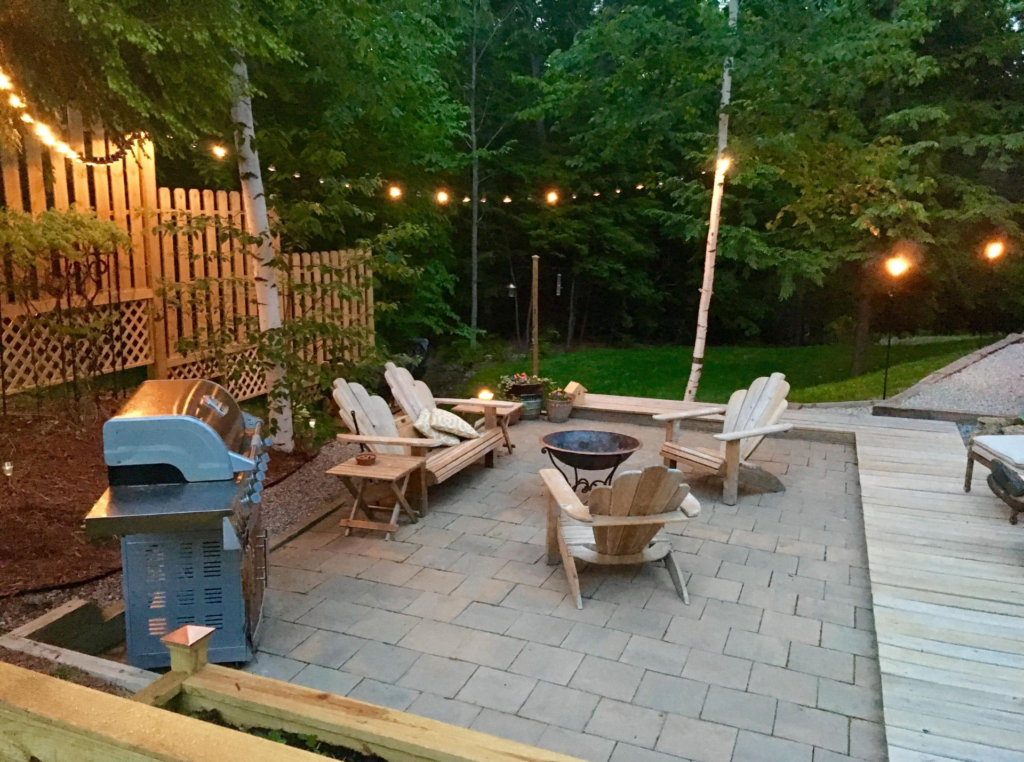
<point x="304" y="742"/>
<point x="58" y="474"/>
<point x="72" y="675"/>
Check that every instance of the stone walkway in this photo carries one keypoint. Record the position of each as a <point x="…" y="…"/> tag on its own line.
<point x="461" y="619"/>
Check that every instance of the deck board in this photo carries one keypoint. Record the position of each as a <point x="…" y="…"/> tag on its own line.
<point x="947" y="585"/>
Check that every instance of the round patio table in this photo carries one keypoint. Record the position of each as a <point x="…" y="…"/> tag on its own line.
<point x="585" y="450"/>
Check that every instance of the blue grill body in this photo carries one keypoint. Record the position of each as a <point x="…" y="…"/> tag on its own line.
<point x="186" y="469"/>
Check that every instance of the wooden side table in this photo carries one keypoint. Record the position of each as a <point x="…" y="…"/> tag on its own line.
<point x="503" y="416"/>
<point x="394" y="470"/>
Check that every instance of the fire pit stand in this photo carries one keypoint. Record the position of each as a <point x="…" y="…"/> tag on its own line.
<point x="584" y="450"/>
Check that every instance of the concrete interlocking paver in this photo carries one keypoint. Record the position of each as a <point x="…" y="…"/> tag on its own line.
<point x="462" y="620"/>
<point x="444" y="710"/>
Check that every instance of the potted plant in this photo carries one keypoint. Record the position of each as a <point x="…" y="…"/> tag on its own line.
<point x="521" y="385"/>
<point x="526" y="388"/>
<point x="559" y="406"/>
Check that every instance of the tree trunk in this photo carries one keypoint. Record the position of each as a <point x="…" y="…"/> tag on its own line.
<point x="862" y="337"/>
<point x="572" y="315"/>
<point x="254" y="204"/>
<point x="474" y="251"/>
<point x="711" y="249"/>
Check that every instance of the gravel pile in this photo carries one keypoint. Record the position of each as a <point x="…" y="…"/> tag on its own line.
<point x="992" y="386"/>
<point x="301" y="495"/>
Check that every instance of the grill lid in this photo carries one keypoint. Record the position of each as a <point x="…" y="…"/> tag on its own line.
<point x="193" y="426"/>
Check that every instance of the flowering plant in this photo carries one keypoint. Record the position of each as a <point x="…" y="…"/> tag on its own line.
<point x="505" y="383"/>
<point x="559" y="395"/>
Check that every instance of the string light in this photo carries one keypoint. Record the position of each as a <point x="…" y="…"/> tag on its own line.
<point x="723" y="165"/>
<point x="597" y="193"/>
<point x="640" y="186"/>
<point x="395" y="192"/>
<point x="5" y="82"/>
<point x="442" y="197"/>
<point x="465" y="199"/>
<point x="507" y="200"/>
<point x="552" y="197"/>
<point x="219" y="151"/>
<point x="15" y="101"/>
<point x="897" y="266"/>
<point x="994" y="250"/>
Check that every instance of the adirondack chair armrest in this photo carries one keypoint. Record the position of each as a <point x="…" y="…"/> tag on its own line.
<point x="671" y="517"/>
<point x="732" y="436"/>
<point x="399" y="441"/>
<point x="562" y="494"/>
<point x="683" y="415"/>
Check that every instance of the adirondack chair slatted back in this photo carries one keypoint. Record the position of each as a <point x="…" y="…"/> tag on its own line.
<point x="412" y="398"/>
<point x="369" y="415"/>
<point x="763" y="404"/>
<point x="654" y="490"/>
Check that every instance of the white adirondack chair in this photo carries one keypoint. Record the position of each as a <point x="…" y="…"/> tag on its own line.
<point x="415" y="396"/>
<point x="621" y="524"/>
<point x="751" y="415"/>
<point x="377" y="428"/>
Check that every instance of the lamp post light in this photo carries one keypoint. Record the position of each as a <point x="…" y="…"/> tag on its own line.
<point x="896" y="266"/>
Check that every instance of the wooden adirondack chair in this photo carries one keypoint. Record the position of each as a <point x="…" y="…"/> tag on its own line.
<point x="414" y="396"/>
<point x="621" y="524"/>
<point x="751" y="415"/>
<point x="378" y="430"/>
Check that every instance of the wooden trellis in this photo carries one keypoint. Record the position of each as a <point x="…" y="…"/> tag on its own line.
<point x="148" y="327"/>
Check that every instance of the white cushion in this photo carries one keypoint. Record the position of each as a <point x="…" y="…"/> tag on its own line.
<point x="1008" y="448"/>
<point x="449" y="423"/>
<point x="424" y="427"/>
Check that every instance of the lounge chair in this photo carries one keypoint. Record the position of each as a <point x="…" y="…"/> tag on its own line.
<point x="414" y="396"/>
<point x="371" y="424"/>
<point x="751" y="415"/>
<point x="621" y="524"/>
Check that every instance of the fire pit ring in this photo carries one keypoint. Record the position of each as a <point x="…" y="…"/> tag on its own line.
<point x="585" y="450"/>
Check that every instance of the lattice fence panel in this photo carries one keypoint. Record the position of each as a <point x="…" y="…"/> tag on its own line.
<point x="247" y="386"/>
<point x="33" y="357"/>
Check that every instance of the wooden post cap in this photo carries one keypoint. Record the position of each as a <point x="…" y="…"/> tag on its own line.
<point x="187" y="645"/>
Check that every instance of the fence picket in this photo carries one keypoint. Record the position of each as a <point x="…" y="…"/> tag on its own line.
<point x="79" y="172"/>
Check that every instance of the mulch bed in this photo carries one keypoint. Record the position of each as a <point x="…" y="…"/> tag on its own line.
<point x="59" y="474"/>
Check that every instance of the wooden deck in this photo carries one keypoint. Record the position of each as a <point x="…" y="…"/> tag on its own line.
<point x="947" y="580"/>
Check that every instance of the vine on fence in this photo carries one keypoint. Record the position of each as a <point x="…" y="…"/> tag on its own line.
<point x="55" y="266"/>
<point x="313" y="346"/>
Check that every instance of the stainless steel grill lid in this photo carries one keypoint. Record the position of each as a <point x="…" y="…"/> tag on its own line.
<point x="193" y="426"/>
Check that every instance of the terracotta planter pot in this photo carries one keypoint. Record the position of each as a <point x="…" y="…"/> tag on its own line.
<point x="559" y="410"/>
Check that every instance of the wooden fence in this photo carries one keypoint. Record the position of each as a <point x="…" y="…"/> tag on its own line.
<point x="149" y="328"/>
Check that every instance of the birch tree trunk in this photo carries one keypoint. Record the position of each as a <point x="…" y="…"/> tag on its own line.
<point x="257" y="223"/>
<point x="711" y="249"/>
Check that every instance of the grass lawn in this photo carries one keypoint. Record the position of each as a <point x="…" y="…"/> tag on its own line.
<point x="817" y="373"/>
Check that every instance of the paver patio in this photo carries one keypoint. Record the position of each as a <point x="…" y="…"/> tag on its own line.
<point x="462" y="620"/>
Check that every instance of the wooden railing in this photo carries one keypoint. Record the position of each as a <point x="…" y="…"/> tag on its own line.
<point x="42" y="718"/>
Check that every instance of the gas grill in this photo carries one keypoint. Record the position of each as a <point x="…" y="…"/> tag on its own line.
<point x="186" y="467"/>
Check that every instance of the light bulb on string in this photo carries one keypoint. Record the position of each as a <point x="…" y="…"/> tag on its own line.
<point x="994" y="250"/>
<point x="618" y="190"/>
<point x="640" y="186"/>
<point x="597" y="193"/>
<point x="465" y="199"/>
<point x="219" y="151"/>
<point x="507" y="200"/>
<point x="15" y="101"/>
<point x="5" y="82"/>
<point x="442" y="197"/>
<point x="272" y="168"/>
<point x="27" y="119"/>
<point x="552" y="197"/>
<point x="8" y="468"/>
<point x="395" y="192"/>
